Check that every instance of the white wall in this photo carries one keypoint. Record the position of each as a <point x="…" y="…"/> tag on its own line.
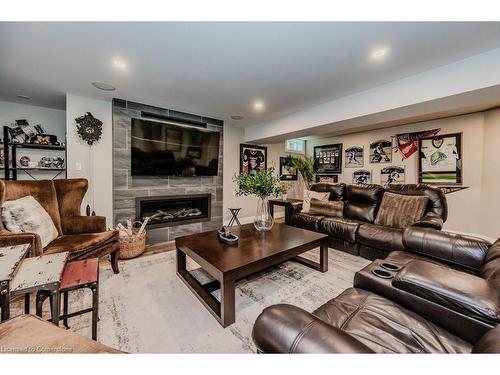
<point x="96" y="162"/>
<point x="52" y="120"/>
<point x="490" y="199"/>
<point x="233" y="136"/>
<point x="466" y="212"/>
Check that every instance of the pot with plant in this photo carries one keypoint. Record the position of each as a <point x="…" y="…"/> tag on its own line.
<point x="263" y="184"/>
<point x="305" y="166"/>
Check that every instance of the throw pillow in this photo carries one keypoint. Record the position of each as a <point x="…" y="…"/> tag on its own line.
<point x="27" y="215"/>
<point x="327" y="208"/>
<point x="400" y="211"/>
<point x="308" y="195"/>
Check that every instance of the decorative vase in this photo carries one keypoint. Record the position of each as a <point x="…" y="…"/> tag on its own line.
<point x="263" y="220"/>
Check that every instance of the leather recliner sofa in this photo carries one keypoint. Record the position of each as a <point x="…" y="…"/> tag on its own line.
<point x="441" y="296"/>
<point x="356" y="232"/>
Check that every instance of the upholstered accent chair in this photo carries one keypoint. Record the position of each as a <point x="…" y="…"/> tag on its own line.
<point x="82" y="236"/>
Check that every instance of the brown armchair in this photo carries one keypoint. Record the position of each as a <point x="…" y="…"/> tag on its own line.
<point x="82" y="236"/>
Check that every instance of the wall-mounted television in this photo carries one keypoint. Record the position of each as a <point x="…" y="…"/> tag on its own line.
<point x="169" y="149"/>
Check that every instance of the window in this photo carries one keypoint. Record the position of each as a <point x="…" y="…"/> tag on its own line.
<point x="296" y="146"/>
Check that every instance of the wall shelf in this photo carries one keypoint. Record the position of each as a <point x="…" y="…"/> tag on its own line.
<point x="10" y="150"/>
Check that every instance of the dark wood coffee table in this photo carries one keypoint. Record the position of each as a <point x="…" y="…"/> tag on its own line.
<point x="254" y="252"/>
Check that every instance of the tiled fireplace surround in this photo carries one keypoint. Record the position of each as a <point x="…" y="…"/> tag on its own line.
<point x="126" y="188"/>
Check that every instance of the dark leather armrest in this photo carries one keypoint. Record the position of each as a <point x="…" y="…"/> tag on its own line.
<point x="13" y="239"/>
<point x="292" y="207"/>
<point x="459" y="291"/>
<point x="429" y="222"/>
<point x="463" y="251"/>
<point x="289" y="329"/>
<point x="83" y="224"/>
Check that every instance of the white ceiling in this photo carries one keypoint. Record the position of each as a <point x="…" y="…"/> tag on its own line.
<point x="219" y="69"/>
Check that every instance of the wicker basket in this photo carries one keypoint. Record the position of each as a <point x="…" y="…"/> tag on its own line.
<point x="132" y="246"/>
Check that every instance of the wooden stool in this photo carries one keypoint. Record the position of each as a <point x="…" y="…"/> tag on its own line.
<point x="77" y="275"/>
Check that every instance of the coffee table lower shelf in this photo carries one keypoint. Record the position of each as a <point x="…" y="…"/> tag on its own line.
<point x="224" y="311"/>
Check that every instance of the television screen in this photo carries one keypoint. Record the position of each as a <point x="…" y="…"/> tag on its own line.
<point x="167" y="149"/>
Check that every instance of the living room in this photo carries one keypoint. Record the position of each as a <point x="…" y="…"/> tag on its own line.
<point x="176" y="186"/>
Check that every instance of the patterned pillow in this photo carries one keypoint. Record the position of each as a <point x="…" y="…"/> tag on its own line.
<point x="308" y="195"/>
<point x="400" y="211"/>
<point x="327" y="208"/>
<point x="27" y="215"/>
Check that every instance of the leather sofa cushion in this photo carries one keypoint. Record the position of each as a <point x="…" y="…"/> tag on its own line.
<point x="340" y="228"/>
<point x="78" y="243"/>
<point x="464" y="251"/>
<point x="362" y="202"/>
<point x="456" y="290"/>
<point x="327" y="208"/>
<point x="380" y="237"/>
<point x="305" y="221"/>
<point x="386" y="327"/>
<point x="337" y="191"/>
<point x="400" y="211"/>
<point x="491" y="268"/>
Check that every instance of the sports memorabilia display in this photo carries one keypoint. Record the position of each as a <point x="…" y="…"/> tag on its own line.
<point x="392" y="175"/>
<point x="354" y="157"/>
<point x="452" y="189"/>
<point x="328" y="159"/>
<point x="362" y="177"/>
<point x="45" y="162"/>
<point x="89" y="128"/>
<point x="57" y="162"/>
<point x="381" y="151"/>
<point x="329" y="178"/>
<point x="252" y="158"/>
<point x="287" y="172"/>
<point x="24" y="161"/>
<point x="407" y="143"/>
<point x="440" y="160"/>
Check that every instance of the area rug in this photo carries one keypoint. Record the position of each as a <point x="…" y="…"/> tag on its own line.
<point x="147" y="309"/>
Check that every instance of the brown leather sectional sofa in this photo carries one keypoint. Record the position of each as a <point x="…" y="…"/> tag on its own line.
<point x="356" y="232"/>
<point x="440" y="295"/>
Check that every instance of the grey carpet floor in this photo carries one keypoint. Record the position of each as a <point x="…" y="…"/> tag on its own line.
<point x="147" y="309"/>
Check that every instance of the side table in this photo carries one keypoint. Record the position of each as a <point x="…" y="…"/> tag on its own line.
<point x="76" y="275"/>
<point x="40" y="273"/>
<point x="10" y="259"/>
<point x="280" y="202"/>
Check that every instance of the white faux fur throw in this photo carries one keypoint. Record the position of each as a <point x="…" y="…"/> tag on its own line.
<point x="27" y="215"/>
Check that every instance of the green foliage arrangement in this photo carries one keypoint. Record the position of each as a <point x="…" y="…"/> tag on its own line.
<point x="305" y="166"/>
<point x="262" y="184"/>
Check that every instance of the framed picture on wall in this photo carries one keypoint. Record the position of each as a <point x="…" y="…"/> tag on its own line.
<point x="329" y="178"/>
<point x="252" y="158"/>
<point x="362" y="177"/>
<point x="328" y="159"/>
<point x="287" y="172"/>
<point x="440" y="159"/>
<point x="381" y="151"/>
<point x="354" y="157"/>
<point x="392" y="175"/>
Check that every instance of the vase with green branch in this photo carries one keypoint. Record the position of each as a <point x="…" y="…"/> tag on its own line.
<point x="263" y="184"/>
<point x="305" y="166"/>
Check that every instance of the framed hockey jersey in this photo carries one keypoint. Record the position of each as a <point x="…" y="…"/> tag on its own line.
<point x="252" y="158"/>
<point x="441" y="160"/>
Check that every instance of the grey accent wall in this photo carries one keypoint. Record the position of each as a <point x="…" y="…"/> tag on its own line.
<point x="126" y="188"/>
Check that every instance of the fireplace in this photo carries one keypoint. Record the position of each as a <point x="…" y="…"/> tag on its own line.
<point x="170" y="210"/>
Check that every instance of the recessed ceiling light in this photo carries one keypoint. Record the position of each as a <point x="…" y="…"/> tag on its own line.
<point x="379" y="53"/>
<point x="23" y="97"/>
<point x="120" y="64"/>
<point x="237" y="117"/>
<point x="258" y="105"/>
<point x="103" y="86"/>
